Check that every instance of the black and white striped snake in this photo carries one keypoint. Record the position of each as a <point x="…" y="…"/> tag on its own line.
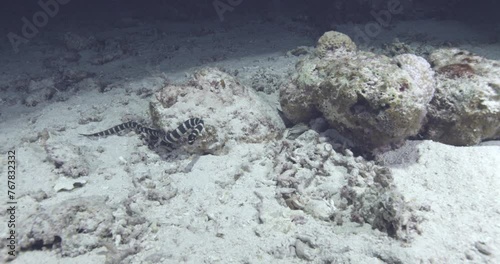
<point x="196" y="126"/>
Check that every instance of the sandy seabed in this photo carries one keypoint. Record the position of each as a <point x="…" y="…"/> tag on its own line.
<point x="200" y="212"/>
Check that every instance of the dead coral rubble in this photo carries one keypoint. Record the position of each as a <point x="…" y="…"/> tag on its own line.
<point x="67" y="159"/>
<point x="336" y="188"/>
<point x="76" y="226"/>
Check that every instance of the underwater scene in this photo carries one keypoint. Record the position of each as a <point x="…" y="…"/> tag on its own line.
<point x="238" y="131"/>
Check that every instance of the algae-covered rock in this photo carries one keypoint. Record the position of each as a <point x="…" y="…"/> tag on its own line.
<point x="374" y="99"/>
<point x="466" y="107"/>
<point x="332" y="41"/>
<point x="297" y="105"/>
<point x="231" y="111"/>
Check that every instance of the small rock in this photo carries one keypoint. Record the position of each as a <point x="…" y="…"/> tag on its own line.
<point x="75" y="42"/>
<point x="469" y="255"/>
<point x="66" y="184"/>
<point x="68" y="159"/>
<point x="319" y="210"/>
<point x="483" y="248"/>
<point x="303" y="250"/>
<point x="302" y="50"/>
<point x="295" y="131"/>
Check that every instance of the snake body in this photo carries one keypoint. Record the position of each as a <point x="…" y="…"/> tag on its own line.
<point x="195" y="125"/>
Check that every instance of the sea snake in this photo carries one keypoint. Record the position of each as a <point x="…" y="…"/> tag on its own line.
<point x="196" y="126"/>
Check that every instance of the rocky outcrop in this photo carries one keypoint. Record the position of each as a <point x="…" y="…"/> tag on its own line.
<point x="466" y="107"/>
<point x="374" y="99"/>
<point x="231" y="111"/>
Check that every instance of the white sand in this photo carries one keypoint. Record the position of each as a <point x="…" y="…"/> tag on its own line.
<point x="213" y="217"/>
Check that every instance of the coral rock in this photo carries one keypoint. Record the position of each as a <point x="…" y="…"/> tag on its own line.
<point x="75" y="42"/>
<point x="466" y="107"/>
<point x="375" y="99"/>
<point x="231" y="111"/>
<point x="332" y="41"/>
